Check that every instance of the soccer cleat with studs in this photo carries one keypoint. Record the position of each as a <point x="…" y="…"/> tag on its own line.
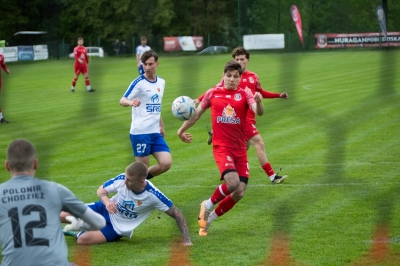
<point x="91" y="90"/>
<point x="204" y="231"/>
<point x="4" y="121"/>
<point x="203" y="215"/>
<point x="279" y="179"/>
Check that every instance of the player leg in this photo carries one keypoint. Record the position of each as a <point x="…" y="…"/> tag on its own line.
<point x="87" y="81"/>
<point x="160" y="151"/>
<point x="254" y="139"/>
<point x="224" y="193"/>
<point x="2" y="119"/>
<point x="106" y="234"/>
<point x="75" y="79"/>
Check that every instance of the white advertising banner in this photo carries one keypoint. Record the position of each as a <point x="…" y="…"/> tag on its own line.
<point x="40" y="52"/>
<point x="10" y="53"/>
<point x="264" y="41"/>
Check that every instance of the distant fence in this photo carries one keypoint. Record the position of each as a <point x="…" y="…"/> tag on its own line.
<point x="25" y="53"/>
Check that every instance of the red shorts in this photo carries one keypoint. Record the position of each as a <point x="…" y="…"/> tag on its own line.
<point x="228" y="158"/>
<point x="81" y="69"/>
<point x="250" y="129"/>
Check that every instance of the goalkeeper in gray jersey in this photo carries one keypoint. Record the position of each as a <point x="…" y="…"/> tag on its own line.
<point x="30" y="228"/>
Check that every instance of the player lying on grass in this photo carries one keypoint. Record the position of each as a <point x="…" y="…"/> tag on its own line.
<point x="136" y="198"/>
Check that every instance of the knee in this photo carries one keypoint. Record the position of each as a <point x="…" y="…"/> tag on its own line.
<point x="82" y="240"/>
<point x="165" y="165"/>
<point x="237" y="195"/>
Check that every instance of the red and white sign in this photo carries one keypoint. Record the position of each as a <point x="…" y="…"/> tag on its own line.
<point x="183" y="43"/>
<point x="294" y="11"/>
<point x="347" y="40"/>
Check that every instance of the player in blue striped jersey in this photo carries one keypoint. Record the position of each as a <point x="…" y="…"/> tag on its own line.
<point x="136" y="198"/>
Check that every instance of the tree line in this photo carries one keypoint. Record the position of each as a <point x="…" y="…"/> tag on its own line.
<point x="220" y="22"/>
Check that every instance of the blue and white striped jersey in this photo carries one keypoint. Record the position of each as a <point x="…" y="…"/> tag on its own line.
<point x="132" y="208"/>
<point x="146" y="117"/>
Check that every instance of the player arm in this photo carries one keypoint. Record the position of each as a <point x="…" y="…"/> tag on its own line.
<point x="93" y="220"/>
<point x="182" y="225"/>
<point x="258" y="106"/>
<point x="162" y="129"/>
<point x="102" y="193"/>
<point x="187" y="137"/>
<point x="125" y="102"/>
<point x="5" y="68"/>
<point x="200" y="98"/>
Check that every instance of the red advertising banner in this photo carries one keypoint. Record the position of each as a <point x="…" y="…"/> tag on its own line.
<point x="294" y="11"/>
<point x="183" y="43"/>
<point x="347" y="40"/>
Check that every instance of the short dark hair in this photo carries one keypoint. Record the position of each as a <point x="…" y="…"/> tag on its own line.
<point x="150" y="53"/>
<point x="20" y="155"/>
<point x="137" y="170"/>
<point x="80" y="38"/>
<point x="143" y="38"/>
<point x="240" y="51"/>
<point x="233" y="65"/>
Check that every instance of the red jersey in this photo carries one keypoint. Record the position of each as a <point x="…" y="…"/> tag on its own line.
<point x="228" y="115"/>
<point x="80" y="53"/>
<point x="250" y="81"/>
<point x="2" y="63"/>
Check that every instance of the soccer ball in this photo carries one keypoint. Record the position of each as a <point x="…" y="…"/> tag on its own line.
<point x="183" y="108"/>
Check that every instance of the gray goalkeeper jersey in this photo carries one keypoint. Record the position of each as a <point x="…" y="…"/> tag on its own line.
<point x="30" y="227"/>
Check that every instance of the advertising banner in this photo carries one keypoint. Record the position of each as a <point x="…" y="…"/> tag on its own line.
<point x="372" y="39"/>
<point x="10" y="53"/>
<point x="294" y="11"/>
<point x="380" y="14"/>
<point x="25" y="53"/>
<point x="264" y="41"/>
<point x="40" y="52"/>
<point x="183" y="43"/>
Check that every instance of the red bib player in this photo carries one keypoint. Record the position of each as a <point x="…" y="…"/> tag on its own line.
<point x="4" y="67"/>
<point x="81" y="65"/>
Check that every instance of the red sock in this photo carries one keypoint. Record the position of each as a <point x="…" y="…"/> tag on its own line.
<point x="268" y="169"/>
<point x="225" y="205"/>
<point x="220" y="193"/>
<point x="87" y="82"/>
<point x="73" y="82"/>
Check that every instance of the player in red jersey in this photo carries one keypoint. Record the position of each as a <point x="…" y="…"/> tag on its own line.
<point x="81" y="65"/>
<point x="229" y="105"/>
<point x="4" y="67"/>
<point x="251" y="82"/>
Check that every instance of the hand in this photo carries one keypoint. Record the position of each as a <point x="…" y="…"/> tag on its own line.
<point x="258" y="97"/>
<point x="186" y="137"/>
<point x="196" y="101"/>
<point x="80" y="61"/>
<point x="284" y="95"/>
<point x="135" y="103"/>
<point x="8" y="72"/>
<point x="111" y="207"/>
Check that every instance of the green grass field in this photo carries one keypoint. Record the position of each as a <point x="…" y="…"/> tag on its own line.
<point x="337" y="137"/>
